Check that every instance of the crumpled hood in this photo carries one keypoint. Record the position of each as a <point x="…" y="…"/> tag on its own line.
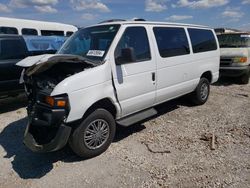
<point x="233" y="52"/>
<point x="41" y="63"/>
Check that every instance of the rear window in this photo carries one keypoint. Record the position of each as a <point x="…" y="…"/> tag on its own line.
<point x="12" y="49"/>
<point x="202" y="40"/>
<point x="171" y="41"/>
<point x="27" y="31"/>
<point x="52" y="33"/>
<point x="8" y="30"/>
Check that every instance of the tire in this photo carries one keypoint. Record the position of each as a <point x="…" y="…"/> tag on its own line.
<point x="86" y="141"/>
<point x="244" y="79"/>
<point x="201" y="93"/>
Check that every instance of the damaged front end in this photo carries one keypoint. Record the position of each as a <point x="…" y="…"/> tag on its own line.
<point x="47" y="130"/>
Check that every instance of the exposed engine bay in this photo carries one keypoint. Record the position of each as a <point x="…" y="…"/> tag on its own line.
<point x="48" y="79"/>
<point x="44" y="72"/>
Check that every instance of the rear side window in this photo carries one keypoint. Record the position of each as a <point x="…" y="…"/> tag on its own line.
<point x="12" y="49"/>
<point x="8" y="30"/>
<point x="52" y="33"/>
<point x="171" y="41"/>
<point x="27" y="31"/>
<point x="136" y="39"/>
<point x="202" y="40"/>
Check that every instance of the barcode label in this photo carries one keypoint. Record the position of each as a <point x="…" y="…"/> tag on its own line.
<point x="97" y="53"/>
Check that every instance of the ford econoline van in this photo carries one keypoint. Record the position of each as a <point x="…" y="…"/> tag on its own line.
<point x="235" y="55"/>
<point x="114" y="73"/>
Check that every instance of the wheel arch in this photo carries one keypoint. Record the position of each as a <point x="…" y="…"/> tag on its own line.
<point x="208" y="75"/>
<point x="104" y="103"/>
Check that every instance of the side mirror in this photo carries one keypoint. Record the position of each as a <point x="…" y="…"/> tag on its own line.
<point x="127" y="56"/>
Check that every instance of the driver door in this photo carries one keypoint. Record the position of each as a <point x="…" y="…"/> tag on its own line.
<point x="135" y="71"/>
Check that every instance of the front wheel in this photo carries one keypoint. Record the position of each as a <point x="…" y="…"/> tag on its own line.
<point x="201" y="93"/>
<point x="94" y="135"/>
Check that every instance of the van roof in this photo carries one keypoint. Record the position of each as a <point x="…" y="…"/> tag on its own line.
<point x="150" y="23"/>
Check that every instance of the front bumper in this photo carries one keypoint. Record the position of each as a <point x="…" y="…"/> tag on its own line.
<point x="58" y="142"/>
<point x="46" y="131"/>
<point x="233" y="71"/>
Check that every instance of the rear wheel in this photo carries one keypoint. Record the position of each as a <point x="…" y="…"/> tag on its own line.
<point x="201" y="93"/>
<point x="94" y="135"/>
<point x="245" y="78"/>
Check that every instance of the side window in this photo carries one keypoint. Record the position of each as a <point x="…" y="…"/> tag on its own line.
<point x="8" y="30"/>
<point x="133" y="46"/>
<point x="171" y="41"/>
<point x="27" y="31"/>
<point x="202" y="40"/>
<point x="12" y="49"/>
<point x="52" y="33"/>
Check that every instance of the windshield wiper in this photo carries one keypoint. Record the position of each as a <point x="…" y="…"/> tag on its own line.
<point x="91" y="61"/>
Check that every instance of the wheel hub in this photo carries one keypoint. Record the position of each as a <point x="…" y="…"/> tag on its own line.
<point x="96" y="134"/>
<point x="204" y="91"/>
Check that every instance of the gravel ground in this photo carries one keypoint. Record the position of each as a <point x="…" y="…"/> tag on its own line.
<point x="169" y="150"/>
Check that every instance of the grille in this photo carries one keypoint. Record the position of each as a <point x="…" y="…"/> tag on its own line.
<point x="226" y="61"/>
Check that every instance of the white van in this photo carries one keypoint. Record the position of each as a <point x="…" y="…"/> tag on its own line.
<point x="116" y="73"/>
<point x="235" y="55"/>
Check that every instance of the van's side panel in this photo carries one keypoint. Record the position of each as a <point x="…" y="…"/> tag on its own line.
<point x="207" y="61"/>
<point x="133" y="81"/>
<point x="175" y="75"/>
<point x="179" y="75"/>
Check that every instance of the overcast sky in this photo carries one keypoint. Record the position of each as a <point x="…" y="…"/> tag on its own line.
<point x="214" y="13"/>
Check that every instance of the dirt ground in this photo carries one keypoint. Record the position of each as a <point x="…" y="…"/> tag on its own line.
<point x="169" y="150"/>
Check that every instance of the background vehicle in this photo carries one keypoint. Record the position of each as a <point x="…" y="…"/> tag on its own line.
<point x="235" y="55"/>
<point x="33" y="27"/>
<point x="116" y="73"/>
<point x="226" y="30"/>
<point x="14" y="48"/>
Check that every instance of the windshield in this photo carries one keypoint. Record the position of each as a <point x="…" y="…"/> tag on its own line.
<point x="91" y="43"/>
<point x="234" y="40"/>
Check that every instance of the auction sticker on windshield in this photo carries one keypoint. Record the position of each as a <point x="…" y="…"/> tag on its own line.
<point x="97" y="53"/>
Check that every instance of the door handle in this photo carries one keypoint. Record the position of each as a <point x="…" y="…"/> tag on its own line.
<point x="153" y="76"/>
